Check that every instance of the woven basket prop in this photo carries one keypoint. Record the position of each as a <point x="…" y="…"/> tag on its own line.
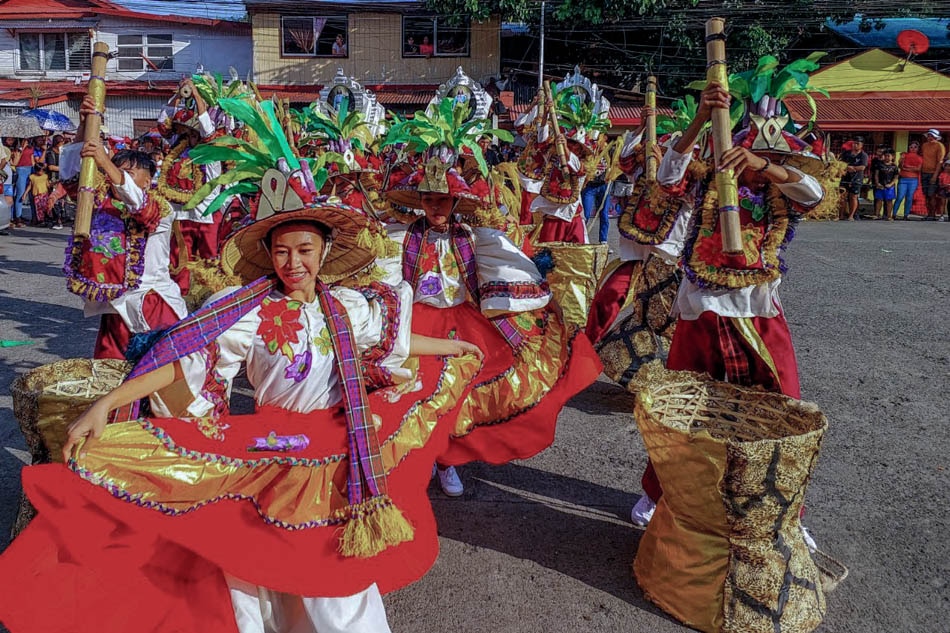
<point x="829" y="176"/>
<point x="47" y="399"/>
<point x="573" y="281"/>
<point x="643" y="335"/>
<point x="724" y="550"/>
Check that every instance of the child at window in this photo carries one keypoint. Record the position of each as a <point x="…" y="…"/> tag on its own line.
<point x="339" y="46"/>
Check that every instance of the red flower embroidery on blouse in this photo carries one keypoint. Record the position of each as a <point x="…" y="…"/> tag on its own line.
<point x="428" y="258"/>
<point x="280" y="324"/>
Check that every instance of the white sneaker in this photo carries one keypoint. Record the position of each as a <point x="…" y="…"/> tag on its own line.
<point x="450" y="482"/>
<point x="642" y="511"/>
<point x="809" y="541"/>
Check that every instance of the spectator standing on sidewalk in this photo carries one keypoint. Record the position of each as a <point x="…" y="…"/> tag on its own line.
<point x="909" y="172"/>
<point x="24" y="168"/>
<point x="884" y="179"/>
<point x="857" y="161"/>
<point x="933" y="153"/>
<point x="943" y="193"/>
<point x="38" y="189"/>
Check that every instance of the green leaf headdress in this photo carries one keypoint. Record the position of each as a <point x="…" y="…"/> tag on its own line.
<point x="444" y="130"/>
<point x="337" y="136"/>
<point x="265" y="147"/>
<point x="440" y="134"/>
<point x="684" y="111"/>
<point x="577" y="114"/>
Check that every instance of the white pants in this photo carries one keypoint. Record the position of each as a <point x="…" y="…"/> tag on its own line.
<point x="260" y="610"/>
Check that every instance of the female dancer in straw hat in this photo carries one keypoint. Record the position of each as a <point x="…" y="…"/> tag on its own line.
<point x="473" y="282"/>
<point x="296" y="517"/>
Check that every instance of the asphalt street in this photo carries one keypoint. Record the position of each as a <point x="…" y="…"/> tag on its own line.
<point x="546" y="545"/>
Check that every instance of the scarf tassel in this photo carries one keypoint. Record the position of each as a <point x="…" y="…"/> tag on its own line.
<point x="375" y="524"/>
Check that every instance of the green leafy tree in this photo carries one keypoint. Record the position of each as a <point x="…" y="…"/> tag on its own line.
<point x="621" y="41"/>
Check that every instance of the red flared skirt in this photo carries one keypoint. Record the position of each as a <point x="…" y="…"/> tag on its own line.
<point x="136" y="535"/>
<point x="512" y="409"/>
<point x="556" y="230"/>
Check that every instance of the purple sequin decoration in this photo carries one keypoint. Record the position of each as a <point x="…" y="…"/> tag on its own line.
<point x="757" y="200"/>
<point x="106" y="223"/>
<point x="279" y="443"/>
<point x="430" y="286"/>
<point x="300" y="367"/>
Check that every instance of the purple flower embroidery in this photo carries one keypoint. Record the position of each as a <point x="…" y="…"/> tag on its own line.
<point x="107" y="223"/>
<point x="106" y="244"/>
<point x="430" y="286"/>
<point x="757" y="200"/>
<point x="299" y="367"/>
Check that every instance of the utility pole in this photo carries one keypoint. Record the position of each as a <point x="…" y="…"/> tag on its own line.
<point x="541" y="52"/>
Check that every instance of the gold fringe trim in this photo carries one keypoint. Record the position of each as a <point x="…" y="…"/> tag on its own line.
<point x="374" y="525"/>
<point x="196" y="176"/>
<point x="659" y="202"/>
<point x="776" y="228"/>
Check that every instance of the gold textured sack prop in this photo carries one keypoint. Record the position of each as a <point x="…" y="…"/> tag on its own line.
<point x="643" y="335"/>
<point x="828" y="176"/>
<point x="724" y="550"/>
<point x="573" y="281"/>
<point x="47" y="399"/>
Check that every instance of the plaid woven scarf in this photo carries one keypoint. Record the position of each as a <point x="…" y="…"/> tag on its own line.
<point x="463" y="248"/>
<point x="366" y="464"/>
<point x="197" y="331"/>
<point x="200" y="329"/>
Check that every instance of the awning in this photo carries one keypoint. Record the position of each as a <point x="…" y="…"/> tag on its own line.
<point x="50" y="25"/>
<point x="620" y="115"/>
<point x="410" y="97"/>
<point x="911" y="112"/>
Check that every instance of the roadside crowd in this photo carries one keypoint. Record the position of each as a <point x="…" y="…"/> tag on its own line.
<point x="893" y="184"/>
<point x="29" y="172"/>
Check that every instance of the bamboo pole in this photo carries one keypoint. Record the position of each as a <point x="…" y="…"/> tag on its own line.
<point x="87" y="171"/>
<point x="559" y="142"/>
<point x="722" y="139"/>
<point x="650" y="132"/>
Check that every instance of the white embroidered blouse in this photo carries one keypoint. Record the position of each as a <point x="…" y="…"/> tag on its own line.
<point x="289" y="354"/>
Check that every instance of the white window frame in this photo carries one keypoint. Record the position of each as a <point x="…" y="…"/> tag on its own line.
<point x="42" y="52"/>
<point x="145" y="46"/>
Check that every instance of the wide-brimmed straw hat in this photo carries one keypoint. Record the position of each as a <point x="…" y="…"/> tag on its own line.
<point x="284" y="199"/>
<point x="436" y="175"/>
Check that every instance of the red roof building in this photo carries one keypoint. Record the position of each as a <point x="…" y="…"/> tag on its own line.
<point x="882" y="97"/>
<point x="45" y="56"/>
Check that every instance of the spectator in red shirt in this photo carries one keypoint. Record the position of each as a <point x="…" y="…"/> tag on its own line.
<point x="426" y="48"/>
<point x="24" y="168"/>
<point x="910" y="163"/>
<point x="943" y="192"/>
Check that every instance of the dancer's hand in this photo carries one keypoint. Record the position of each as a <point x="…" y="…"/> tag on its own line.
<point x="90" y="424"/>
<point x="739" y="159"/>
<point x="713" y="96"/>
<point x="461" y="348"/>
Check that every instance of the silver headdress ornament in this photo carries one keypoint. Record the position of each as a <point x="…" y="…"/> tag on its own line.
<point x="360" y="99"/>
<point x="584" y="87"/>
<point x="464" y="90"/>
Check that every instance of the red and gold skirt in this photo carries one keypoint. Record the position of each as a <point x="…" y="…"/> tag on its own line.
<point x="511" y="411"/>
<point x="138" y="531"/>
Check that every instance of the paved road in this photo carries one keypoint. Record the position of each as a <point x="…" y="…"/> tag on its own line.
<point x="545" y="545"/>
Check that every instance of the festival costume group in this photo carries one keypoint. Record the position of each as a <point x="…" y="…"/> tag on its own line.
<point x="378" y="340"/>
